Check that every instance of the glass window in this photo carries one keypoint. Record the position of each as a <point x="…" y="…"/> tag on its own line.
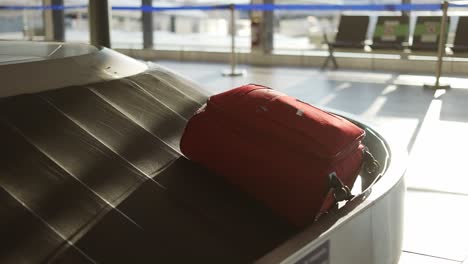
<point x="305" y="30"/>
<point x="21" y="24"/>
<point x="205" y="30"/>
<point x="126" y="27"/>
<point x="76" y="22"/>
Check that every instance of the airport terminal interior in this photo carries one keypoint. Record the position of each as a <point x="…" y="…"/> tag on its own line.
<point x="397" y="67"/>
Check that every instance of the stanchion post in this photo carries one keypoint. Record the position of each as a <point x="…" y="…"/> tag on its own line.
<point x="233" y="39"/>
<point x="233" y="71"/>
<point x="441" y="49"/>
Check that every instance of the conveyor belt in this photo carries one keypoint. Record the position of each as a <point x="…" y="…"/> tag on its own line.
<point x="94" y="174"/>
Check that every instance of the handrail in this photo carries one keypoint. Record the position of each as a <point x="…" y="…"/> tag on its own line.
<point x="254" y="7"/>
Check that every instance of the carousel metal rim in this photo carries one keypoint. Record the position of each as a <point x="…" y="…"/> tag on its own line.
<point x="43" y="50"/>
<point x="79" y="64"/>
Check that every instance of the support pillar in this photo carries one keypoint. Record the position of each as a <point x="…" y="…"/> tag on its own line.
<point x="262" y="29"/>
<point x="147" y="25"/>
<point x="99" y="22"/>
<point x="54" y="21"/>
<point x="406" y="13"/>
<point x="233" y="71"/>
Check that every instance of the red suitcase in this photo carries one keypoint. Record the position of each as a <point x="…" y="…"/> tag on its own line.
<point x="284" y="152"/>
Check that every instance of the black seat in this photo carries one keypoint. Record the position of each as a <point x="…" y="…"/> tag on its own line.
<point x="352" y="32"/>
<point x="391" y="32"/>
<point x="460" y="44"/>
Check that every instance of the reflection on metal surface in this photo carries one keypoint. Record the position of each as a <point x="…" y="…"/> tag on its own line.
<point x="78" y="159"/>
<point x="31" y="67"/>
<point x="320" y="255"/>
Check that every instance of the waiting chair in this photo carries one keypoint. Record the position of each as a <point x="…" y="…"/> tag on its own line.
<point x="460" y="43"/>
<point x="352" y="32"/>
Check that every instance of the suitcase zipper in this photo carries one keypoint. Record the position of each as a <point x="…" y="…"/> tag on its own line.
<point x="348" y="149"/>
<point x="354" y="144"/>
<point x="316" y="108"/>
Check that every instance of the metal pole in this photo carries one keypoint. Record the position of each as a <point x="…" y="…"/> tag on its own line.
<point x="233" y="40"/>
<point x="54" y="21"/>
<point x="26" y="29"/>
<point x="233" y="71"/>
<point x="441" y="48"/>
<point x="267" y="29"/>
<point x="99" y="16"/>
<point x="58" y="17"/>
<point x="147" y="25"/>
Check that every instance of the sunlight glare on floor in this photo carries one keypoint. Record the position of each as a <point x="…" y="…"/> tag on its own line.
<point x="419" y="80"/>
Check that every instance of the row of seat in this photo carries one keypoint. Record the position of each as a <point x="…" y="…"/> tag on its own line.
<point x="392" y="32"/>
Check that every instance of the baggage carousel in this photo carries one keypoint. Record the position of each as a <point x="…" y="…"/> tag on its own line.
<point x="91" y="172"/>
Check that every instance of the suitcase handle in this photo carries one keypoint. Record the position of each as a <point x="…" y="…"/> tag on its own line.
<point x="341" y="192"/>
<point x="338" y="191"/>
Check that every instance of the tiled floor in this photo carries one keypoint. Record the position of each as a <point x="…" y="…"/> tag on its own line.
<point x="433" y="125"/>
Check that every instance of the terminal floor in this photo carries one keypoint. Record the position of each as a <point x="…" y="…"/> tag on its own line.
<point x="432" y="125"/>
